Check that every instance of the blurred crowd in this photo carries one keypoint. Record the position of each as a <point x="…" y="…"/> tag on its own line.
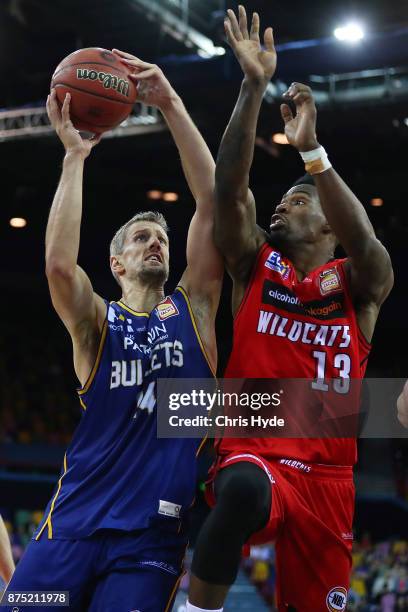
<point x="20" y="526"/>
<point x="38" y="403"/>
<point x="379" y="581"/>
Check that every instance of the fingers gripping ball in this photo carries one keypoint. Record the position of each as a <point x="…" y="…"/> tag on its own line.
<point x="102" y="94"/>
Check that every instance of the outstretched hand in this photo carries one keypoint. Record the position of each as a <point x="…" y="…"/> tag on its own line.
<point x="67" y="133"/>
<point x="152" y="86"/>
<point x="300" y="129"/>
<point x="258" y="64"/>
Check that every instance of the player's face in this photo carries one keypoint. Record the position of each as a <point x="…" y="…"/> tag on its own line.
<point x="145" y="254"/>
<point x="299" y="215"/>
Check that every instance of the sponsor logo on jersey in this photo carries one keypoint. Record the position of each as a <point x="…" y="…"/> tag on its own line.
<point x="112" y="316"/>
<point x="336" y="599"/>
<point x="166" y="309"/>
<point x="329" y="281"/>
<point x="118" y="322"/>
<point x="275" y="263"/>
<point x="169" y="509"/>
<point x="284" y="299"/>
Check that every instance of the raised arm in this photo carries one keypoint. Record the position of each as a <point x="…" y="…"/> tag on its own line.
<point x="369" y="265"/>
<point x="81" y="310"/>
<point x="205" y="268"/>
<point x="237" y="234"/>
<point x="6" y="558"/>
<point x="203" y="277"/>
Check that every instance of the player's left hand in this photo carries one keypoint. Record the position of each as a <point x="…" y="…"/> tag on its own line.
<point x="300" y="129"/>
<point x="402" y="406"/>
<point x="153" y="88"/>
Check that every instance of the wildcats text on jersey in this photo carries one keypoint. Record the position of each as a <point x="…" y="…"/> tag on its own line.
<point x="301" y="331"/>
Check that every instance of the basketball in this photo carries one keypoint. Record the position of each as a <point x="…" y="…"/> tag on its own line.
<point x="102" y="94"/>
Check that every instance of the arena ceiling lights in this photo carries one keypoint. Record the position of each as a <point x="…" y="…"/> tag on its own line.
<point x="351" y="33"/>
<point x="178" y="26"/>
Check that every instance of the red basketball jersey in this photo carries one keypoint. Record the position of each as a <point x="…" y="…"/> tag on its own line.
<point x="307" y="329"/>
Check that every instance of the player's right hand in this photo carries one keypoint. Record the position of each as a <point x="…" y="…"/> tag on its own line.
<point x="258" y="64"/>
<point x="67" y="133"/>
<point x="402" y="406"/>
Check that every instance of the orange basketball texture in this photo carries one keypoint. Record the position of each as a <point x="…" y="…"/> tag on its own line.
<point x="102" y="94"/>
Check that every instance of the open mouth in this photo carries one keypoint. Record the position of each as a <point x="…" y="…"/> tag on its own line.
<point x="277" y="219"/>
<point x="154" y="257"/>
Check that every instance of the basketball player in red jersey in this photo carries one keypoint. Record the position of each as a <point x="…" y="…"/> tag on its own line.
<point x="299" y="313"/>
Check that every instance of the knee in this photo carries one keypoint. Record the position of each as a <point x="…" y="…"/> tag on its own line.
<point x="242" y="495"/>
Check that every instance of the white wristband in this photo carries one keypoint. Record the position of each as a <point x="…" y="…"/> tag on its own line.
<point x="316" y="161"/>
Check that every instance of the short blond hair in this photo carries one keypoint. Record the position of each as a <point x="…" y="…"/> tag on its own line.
<point x="118" y="241"/>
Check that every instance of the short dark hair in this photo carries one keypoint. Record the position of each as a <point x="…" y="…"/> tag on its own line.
<point x="306" y="179"/>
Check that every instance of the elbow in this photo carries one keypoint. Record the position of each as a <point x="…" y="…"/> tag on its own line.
<point x="370" y="249"/>
<point x="220" y="230"/>
<point x="228" y="200"/>
<point x="220" y="193"/>
<point x="224" y="240"/>
<point x="226" y="185"/>
<point x="56" y="268"/>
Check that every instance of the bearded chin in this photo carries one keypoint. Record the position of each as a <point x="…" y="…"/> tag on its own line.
<point x="279" y="237"/>
<point x="157" y="276"/>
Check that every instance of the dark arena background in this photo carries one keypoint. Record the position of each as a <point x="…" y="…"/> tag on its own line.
<point x="361" y="90"/>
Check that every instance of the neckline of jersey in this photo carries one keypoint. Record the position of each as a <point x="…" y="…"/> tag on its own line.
<point x="293" y="269"/>
<point x="145" y="314"/>
<point x="134" y="312"/>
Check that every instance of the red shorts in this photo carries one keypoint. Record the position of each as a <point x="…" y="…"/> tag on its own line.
<point x="311" y="525"/>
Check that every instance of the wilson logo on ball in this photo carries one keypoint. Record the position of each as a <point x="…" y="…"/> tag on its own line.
<point x="109" y="81"/>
